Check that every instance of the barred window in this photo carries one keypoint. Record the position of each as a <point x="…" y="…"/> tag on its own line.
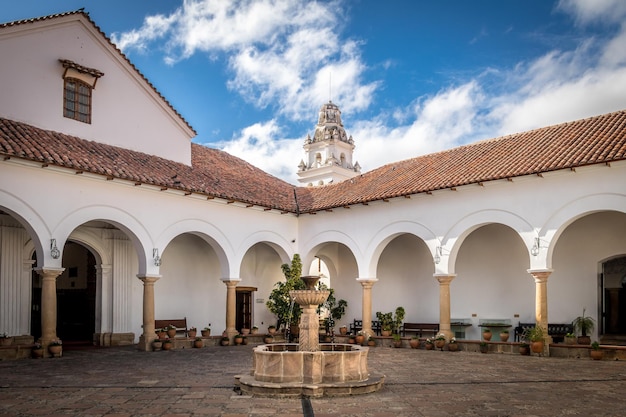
<point x="77" y="100"/>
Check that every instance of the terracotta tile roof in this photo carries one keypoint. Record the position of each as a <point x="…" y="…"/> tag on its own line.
<point x="595" y="140"/>
<point x="599" y="139"/>
<point x="86" y="15"/>
<point x="213" y="172"/>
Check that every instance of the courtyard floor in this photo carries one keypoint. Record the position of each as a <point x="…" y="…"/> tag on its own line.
<point x="124" y="382"/>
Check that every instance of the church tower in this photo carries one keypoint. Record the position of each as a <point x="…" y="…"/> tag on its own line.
<point x="329" y="153"/>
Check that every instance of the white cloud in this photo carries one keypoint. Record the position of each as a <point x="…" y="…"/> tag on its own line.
<point x="284" y="53"/>
<point x="261" y="145"/>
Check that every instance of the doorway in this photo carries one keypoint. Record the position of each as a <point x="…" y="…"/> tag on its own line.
<point x="244" y="318"/>
<point x="613" y="282"/>
<point x="76" y="297"/>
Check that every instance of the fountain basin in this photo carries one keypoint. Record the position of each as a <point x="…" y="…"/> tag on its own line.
<point x="336" y="369"/>
<point x="332" y="363"/>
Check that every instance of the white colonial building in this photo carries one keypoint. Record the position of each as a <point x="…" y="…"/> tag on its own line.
<point x="110" y="217"/>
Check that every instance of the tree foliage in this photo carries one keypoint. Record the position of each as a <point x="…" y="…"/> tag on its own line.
<point x="279" y="301"/>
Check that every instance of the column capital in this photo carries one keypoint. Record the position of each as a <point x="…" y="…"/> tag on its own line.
<point x="540" y="275"/>
<point x="367" y="282"/>
<point x="46" y="272"/>
<point x="148" y="278"/>
<point x="444" y="278"/>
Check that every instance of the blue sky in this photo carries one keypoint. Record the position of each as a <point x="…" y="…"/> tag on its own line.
<point x="411" y="77"/>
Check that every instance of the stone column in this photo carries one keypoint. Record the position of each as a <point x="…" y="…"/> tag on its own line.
<point x="367" y="285"/>
<point x="148" y="311"/>
<point x="541" y="300"/>
<point x="231" y="307"/>
<point x="444" y="304"/>
<point x="49" y="305"/>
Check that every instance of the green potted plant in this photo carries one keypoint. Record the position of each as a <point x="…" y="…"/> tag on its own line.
<point x="238" y="339"/>
<point x="484" y="347"/>
<point x="584" y="325"/>
<point x="524" y="349"/>
<point x="167" y="344"/>
<point x="386" y="322"/>
<point x="595" y="352"/>
<point x="414" y="342"/>
<point x="429" y="344"/>
<point x="206" y="332"/>
<point x="225" y="341"/>
<point x="440" y="341"/>
<point x="487" y="334"/>
<point x="269" y="338"/>
<point x="570" y="339"/>
<point x="192" y="332"/>
<point x="254" y="330"/>
<point x="453" y="346"/>
<point x="371" y="341"/>
<point x="198" y="343"/>
<point x="504" y="335"/>
<point x="536" y="336"/>
<point x="397" y="341"/>
<point x="37" y="351"/>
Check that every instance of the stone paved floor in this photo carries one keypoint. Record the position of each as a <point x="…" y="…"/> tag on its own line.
<point x="124" y="382"/>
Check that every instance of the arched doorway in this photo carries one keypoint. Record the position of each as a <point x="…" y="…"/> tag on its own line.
<point x="76" y="297"/>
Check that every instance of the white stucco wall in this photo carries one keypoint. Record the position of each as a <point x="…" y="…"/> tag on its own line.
<point x="126" y="112"/>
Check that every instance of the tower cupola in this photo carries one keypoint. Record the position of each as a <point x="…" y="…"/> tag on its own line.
<point x="329" y="152"/>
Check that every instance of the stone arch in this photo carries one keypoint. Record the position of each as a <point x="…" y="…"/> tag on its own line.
<point x="385" y="235"/>
<point x="213" y="236"/>
<point x="35" y="226"/>
<point x="454" y="237"/>
<point x="550" y="233"/>
<point x="132" y="227"/>
<point x="309" y="248"/>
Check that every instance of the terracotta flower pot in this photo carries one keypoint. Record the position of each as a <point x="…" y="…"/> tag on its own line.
<point x="439" y="344"/>
<point x="206" y="333"/>
<point x="171" y="333"/>
<point x="536" y="347"/>
<point x="343" y="330"/>
<point x="37" y="353"/>
<point x="504" y="337"/>
<point x="596" y="354"/>
<point x="429" y="346"/>
<point x="157" y="345"/>
<point x="192" y="334"/>
<point x="55" y="351"/>
<point x="453" y="347"/>
<point x="167" y="345"/>
<point x="359" y="339"/>
<point x="487" y="335"/>
<point x="198" y="344"/>
<point x="414" y="343"/>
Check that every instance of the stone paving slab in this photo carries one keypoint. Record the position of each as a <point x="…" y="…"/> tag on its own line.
<point x="124" y="382"/>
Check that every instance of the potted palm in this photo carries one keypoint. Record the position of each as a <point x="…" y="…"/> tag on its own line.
<point x="584" y="325"/>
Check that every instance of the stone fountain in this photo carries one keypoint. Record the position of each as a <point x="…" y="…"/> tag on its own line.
<point x="309" y="368"/>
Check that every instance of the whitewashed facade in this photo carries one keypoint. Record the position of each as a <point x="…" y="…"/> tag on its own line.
<point x="529" y="248"/>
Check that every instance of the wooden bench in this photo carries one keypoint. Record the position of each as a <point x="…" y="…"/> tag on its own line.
<point x="357" y="326"/>
<point x="420" y="328"/>
<point x="556" y="330"/>
<point x="180" y="324"/>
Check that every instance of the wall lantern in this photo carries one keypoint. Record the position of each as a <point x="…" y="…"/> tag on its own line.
<point x="156" y="257"/>
<point x="54" y="251"/>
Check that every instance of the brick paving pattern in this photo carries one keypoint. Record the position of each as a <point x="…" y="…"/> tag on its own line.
<point x="123" y="382"/>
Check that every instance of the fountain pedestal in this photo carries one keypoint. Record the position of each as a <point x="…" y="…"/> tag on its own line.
<point x="308" y="368"/>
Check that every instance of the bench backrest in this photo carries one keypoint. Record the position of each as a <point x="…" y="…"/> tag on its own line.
<point x="180" y="324"/>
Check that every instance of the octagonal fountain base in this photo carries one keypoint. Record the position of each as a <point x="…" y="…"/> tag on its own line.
<point x="336" y="369"/>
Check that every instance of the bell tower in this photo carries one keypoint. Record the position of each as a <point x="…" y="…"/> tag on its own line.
<point x="328" y="156"/>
